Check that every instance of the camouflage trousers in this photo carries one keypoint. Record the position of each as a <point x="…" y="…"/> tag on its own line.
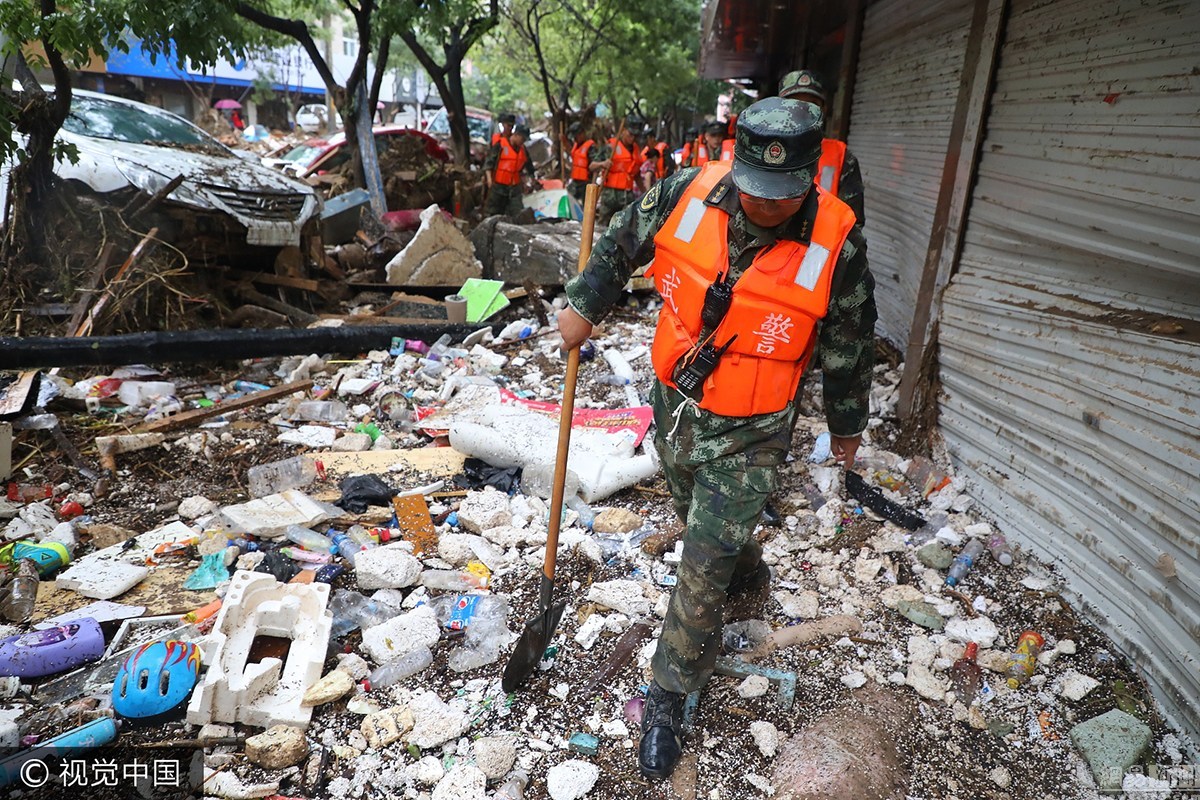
<point x="504" y="200"/>
<point x="578" y="189"/>
<point x="720" y="471"/>
<point x="611" y="201"/>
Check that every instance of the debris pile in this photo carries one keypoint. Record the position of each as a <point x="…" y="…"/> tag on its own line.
<point x="350" y="559"/>
<point x="412" y="176"/>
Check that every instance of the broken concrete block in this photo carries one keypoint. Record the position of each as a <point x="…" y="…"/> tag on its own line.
<point x="545" y="253"/>
<point x="334" y="686"/>
<point x="270" y="691"/>
<point x="402" y="634"/>
<point x="892" y="595"/>
<point x="616" y="520"/>
<point x="223" y="783"/>
<point x="1075" y="685"/>
<point x="278" y="747"/>
<point x="753" y="686"/>
<point x="625" y="596"/>
<point x="462" y="782"/>
<point x="352" y="443"/>
<point x="438" y="255"/>
<point x="196" y="506"/>
<point x="849" y="754"/>
<point x="436" y="722"/>
<point x="936" y="555"/>
<point x="1111" y="743"/>
<point x="455" y="548"/>
<point x="925" y="683"/>
<point x="805" y="605"/>
<point x="427" y="771"/>
<point x="495" y="755"/>
<point x="980" y="630"/>
<point x="388" y="567"/>
<point x="481" y="511"/>
<point x="571" y="780"/>
<point x="766" y="737"/>
<point x="384" y="727"/>
<point x="921" y="613"/>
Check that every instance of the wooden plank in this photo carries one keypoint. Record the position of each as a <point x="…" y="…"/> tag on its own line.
<point x="247" y="401"/>
<point x="161" y="592"/>
<point x="438" y="461"/>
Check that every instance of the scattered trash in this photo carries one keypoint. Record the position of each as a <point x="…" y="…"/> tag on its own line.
<point x="1023" y="662"/>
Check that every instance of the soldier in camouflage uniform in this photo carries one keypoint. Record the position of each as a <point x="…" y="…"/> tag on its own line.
<point x="613" y="200"/>
<point x="805" y="85"/>
<point x="721" y="469"/>
<point x="505" y="198"/>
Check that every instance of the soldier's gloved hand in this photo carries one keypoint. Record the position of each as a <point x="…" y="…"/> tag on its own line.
<point x="573" y="328"/>
<point x="844" y="448"/>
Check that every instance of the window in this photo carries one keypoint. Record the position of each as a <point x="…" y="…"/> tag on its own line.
<point x="349" y="47"/>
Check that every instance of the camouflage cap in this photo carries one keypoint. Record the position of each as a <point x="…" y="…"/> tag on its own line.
<point x="507" y="118"/>
<point x="800" y="84"/>
<point x="777" y="147"/>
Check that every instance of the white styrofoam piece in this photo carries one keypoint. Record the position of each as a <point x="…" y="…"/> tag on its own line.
<point x="268" y="692"/>
<point x="102" y="580"/>
<point x="270" y="516"/>
<point x="101" y="611"/>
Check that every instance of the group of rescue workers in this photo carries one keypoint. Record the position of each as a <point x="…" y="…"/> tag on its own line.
<point x="755" y="245"/>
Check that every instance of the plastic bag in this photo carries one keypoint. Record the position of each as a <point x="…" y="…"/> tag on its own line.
<point x="361" y="491"/>
<point x="478" y="474"/>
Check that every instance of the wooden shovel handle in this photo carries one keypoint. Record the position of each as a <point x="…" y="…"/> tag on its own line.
<point x="568" y="401"/>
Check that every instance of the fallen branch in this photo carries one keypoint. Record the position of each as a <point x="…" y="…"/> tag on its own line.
<point x="89" y="321"/>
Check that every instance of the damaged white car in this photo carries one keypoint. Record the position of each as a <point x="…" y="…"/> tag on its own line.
<point x="223" y="202"/>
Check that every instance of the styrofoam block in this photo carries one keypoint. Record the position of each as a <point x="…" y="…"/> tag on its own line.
<point x="268" y="692"/>
<point x="270" y="516"/>
<point x="102" y="580"/>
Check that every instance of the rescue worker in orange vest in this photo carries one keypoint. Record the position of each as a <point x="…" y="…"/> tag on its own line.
<point x="666" y="164"/>
<point x="838" y="171"/>
<point x="760" y="272"/>
<point x="689" y="147"/>
<point x="583" y="171"/>
<point x="715" y="146"/>
<point x="507" y="166"/>
<point x="620" y="160"/>
<point x="506" y="128"/>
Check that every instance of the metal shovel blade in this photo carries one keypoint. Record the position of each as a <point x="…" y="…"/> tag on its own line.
<point x="534" y="639"/>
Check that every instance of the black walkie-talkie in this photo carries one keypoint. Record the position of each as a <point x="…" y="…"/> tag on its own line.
<point x="692" y="376"/>
<point x="717" y="299"/>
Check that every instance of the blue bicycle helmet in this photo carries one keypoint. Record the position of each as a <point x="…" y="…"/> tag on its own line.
<point x="156" y="679"/>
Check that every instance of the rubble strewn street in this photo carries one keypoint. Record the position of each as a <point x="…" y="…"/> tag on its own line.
<point x="363" y="624"/>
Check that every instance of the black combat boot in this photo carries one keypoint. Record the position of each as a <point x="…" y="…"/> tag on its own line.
<point x="662" y="732"/>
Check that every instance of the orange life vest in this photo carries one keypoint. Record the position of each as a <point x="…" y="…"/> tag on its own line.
<point x="685" y="154"/>
<point x="829" y="168"/>
<point x="701" y="154"/>
<point x="624" y="164"/>
<point x="579" y="161"/>
<point x="777" y="302"/>
<point x="727" y="150"/>
<point x="510" y="163"/>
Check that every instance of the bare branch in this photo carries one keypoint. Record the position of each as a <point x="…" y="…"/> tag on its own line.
<point x="296" y="29"/>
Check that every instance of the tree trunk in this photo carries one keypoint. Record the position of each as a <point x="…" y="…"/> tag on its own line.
<point x="346" y="107"/>
<point x="456" y="110"/>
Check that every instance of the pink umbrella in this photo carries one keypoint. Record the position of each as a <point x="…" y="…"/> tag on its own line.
<point x="227" y="104"/>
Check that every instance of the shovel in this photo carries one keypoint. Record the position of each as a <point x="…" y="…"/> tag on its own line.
<point x="540" y="629"/>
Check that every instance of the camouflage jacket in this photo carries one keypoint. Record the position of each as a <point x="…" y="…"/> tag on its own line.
<point x="846" y="343"/>
<point x="850" y="187"/>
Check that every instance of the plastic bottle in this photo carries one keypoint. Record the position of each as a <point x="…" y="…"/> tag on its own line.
<point x="932" y="525"/>
<point x="998" y="547"/>
<point x="18" y="603"/>
<point x="306" y="556"/>
<point x="586" y="515"/>
<point x="613" y="380"/>
<point x="279" y="476"/>
<point x="451" y="580"/>
<point x="362" y="537"/>
<point x="966" y="676"/>
<point x="321" y="411"/>
<point x="481" y="643"/>
<point x="925" y="477"/>
<point x="538" y="480"/>
<point x="49" y="557"/>
<point x="963" y="562"/>
<point x="513" y="788"/>
<point x="440" y="346"/>
<point x="309" y="540"/>
<point x="1023" y="662"/>
<point x="400" y="668"/>
<point x="347" y="548"/>
<point x="620" y="366"/>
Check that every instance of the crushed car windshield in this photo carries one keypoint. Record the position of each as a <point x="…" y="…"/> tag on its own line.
<point x="91" y="116"/>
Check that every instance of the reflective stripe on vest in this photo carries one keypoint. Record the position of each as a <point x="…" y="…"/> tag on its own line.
<point x="580" y="161"/>
<point x="829" y="168"/>
<point x="777" y="302"/>
<point x="620" y="174"/>
<point x="701" y="154"/>
<point x="727" y="150"/>
<point x="510" y="163"/>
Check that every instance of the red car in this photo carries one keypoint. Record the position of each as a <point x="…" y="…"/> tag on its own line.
<point x="335" y="153"/>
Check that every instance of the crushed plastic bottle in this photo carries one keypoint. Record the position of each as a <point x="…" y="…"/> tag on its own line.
<point x="17" y="604"/>
<point x="929" y="530"/>
<point x="513" y="788"/>
<point x="966" y="676"/>
<point x="400" y="668"/>
<point x="1023" y="662"/>
<point x="321" y="411"/>
<point x="279" y="476"/>
<point x="924" y="476"/>
<point x="352" y="611"/>
<point x="963" y="562"/>
<point x="1000" y="550"/>
<point x="309" y="540"/>
<point x="537" y="480"/>
<point x="484" y="637"/>
<point x="452" y="580"/>
<point x="586" y="515"/>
